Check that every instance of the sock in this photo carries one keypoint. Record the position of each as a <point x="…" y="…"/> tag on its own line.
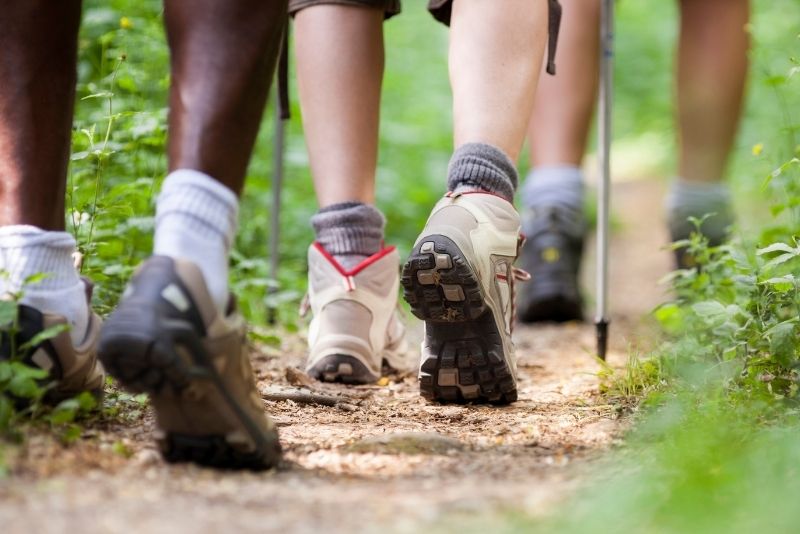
<point x="26" y="251"/>
<point x="196" y="221"/>
<point x="697" y="199"/>
<point x="482" y="167"/>
<point x="350" y="231"/>
<point x="558" y="188"/>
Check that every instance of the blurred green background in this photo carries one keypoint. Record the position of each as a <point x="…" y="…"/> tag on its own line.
<point x="124" y="76"/>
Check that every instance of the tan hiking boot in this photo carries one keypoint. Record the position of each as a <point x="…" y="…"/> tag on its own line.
<point x="355" y="329"/>
<point x="72" y="370"/>
<point x="168" y="339"/>
<point x="459" y="279"/>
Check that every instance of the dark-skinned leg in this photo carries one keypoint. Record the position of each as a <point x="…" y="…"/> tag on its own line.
<point x="223" y="57"/>
<point x="207" y="407"/>
<point x="38" y="39"/>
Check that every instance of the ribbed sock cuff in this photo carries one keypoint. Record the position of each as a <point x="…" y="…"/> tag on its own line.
<point x="478" y="166"/>
<point x="698" y="199"/>
<point x="557" y="186"/>
<point x="202" y="204"/>
<point x="27" y="250"/>
<point x="349" y="229"/>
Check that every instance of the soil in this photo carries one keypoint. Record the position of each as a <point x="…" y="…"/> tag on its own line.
<point x="379" y="459"/>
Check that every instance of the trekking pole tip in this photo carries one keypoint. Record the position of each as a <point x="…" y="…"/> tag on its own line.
<point x="602" y="337"/>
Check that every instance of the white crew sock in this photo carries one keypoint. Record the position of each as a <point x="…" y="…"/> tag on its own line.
<point x="26" y="251"/>
<point x="196" y="221"/>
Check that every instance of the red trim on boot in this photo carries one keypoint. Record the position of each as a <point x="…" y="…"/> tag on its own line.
<point x="357" y="268"/>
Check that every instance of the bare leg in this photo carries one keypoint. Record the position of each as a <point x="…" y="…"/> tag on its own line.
<point x="495" y="60"/>
<point x="712" y="69"/>
<point x="223" y="57"/>
<point x="38" y="39"/>
<point x="565" y="103"/>
<point x="339" y="69"/>
<point x="553" y="192"/>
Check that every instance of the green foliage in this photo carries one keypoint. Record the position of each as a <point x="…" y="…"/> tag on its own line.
<point x="119" y="139"/>
<point x="24" y="388"/>
<point x="638" y="378"/>
<point x="739" y="309"/>
<point x="716" y="449"/>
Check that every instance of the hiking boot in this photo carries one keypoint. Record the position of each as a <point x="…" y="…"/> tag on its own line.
<point x="459" y="279"/>
<point x="71" y="370"/>
<point x="552" y="254"/>
<point x="167" y="338"/>
<point x="356" y="329"/>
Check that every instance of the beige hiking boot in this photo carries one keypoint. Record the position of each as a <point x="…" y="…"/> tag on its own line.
<point x="355" y="329"/>
<point x="71" y="370"/>
<point x="459" y="279"/>
<point x="168" y="339"/>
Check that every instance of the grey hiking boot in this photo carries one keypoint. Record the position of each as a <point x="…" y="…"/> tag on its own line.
<point x="552" y="254"/>
<point x="459" y="279"/>
<point x="71" y="369"/>
<point x="167" y="338"/>
<point x="356" y="329"/>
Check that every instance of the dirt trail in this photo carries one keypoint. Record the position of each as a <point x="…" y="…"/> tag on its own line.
<point x="346" y="469"/>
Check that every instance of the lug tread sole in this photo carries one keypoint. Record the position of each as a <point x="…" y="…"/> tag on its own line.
<point x="341" y="368"/>
<point x="466" y="362"/>
<point x="144" y="359"/>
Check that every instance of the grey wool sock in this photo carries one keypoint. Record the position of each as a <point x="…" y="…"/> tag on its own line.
<point x="349" y="231"/>
<point x="556" y="189"/>
<point x="557" y="186"/>
<point x="482" y="167"/>
<point x="698" y="199"/>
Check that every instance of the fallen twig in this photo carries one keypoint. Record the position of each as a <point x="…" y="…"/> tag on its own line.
<point x="301" y="397"/>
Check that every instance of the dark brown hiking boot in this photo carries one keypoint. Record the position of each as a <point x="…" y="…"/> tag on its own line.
<point x="167" y="338"/>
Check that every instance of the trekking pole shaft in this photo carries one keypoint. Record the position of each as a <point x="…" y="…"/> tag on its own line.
<point x="275" y="213"/>
<point x="604" y="189"/>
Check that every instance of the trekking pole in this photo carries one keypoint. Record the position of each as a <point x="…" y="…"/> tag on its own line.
<point x="278" y="143"/>
<point x="604" y="189"/>
<point x="275" y="213"/>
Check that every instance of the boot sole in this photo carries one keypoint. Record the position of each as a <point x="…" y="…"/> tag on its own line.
<point x="465" y="361"/>
<point x="144" y="357"/>
<point x="341" y="368"/>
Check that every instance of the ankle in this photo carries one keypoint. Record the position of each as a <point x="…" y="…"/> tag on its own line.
<point x="558" y="188"/>
<point x="27" y="251"/>
<point x="710" y="201"/>
<point x="482" y="167"/>
<point x="349" y="231"/>
<point x="196" y="221"/>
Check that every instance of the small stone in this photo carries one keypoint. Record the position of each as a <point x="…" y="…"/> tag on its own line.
<point x="147" y="458"/>
<point x="347" y="407"/>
